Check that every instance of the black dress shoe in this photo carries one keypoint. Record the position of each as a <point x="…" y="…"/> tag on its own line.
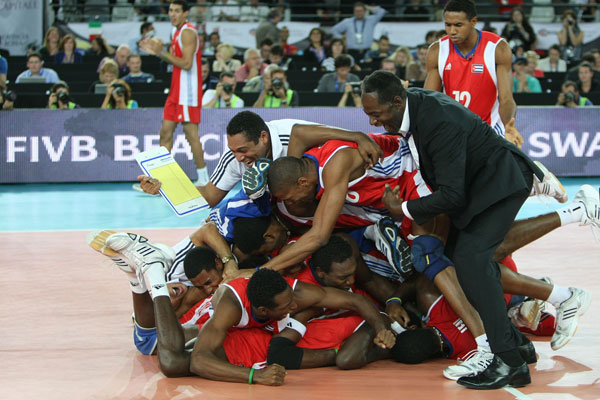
<point x="527" y="352"/>
<point x="497" y="375"/>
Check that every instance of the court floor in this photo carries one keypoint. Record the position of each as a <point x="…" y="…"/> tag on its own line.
<point x="65" y="326"/>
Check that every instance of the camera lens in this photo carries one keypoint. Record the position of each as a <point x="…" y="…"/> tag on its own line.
<point x="277" y="83"/>
<point x="119" y="91"/>
<point x="228" y="88"/>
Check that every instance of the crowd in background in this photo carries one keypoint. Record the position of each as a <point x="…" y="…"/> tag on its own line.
<point x="343" y="53"/>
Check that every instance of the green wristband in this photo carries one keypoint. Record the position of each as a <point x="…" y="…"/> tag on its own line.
<point x="393" y="300"/>
<point x="250" y="376"/>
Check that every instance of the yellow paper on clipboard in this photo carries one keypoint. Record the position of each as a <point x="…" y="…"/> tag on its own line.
<point x="176" y="188"/>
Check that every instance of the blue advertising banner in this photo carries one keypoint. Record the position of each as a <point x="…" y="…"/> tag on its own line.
<point x="90" y="145"/>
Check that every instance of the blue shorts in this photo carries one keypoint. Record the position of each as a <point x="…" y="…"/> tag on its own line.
<point x="145" y="339"/>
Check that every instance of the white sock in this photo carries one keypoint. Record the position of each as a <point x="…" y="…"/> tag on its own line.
<point x="203" y="177"/>
<point x="135" y="284"/>
<point x="370" y="233"/>
<point x="155" y="274"/>
<point x="570" y="213"/>
<point x="558" y="295"/>
<point x="482" y="342"/>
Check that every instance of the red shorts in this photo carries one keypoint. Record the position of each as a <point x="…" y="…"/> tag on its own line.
<point x="247" y="347"/>
<point x="453" y="329"/>
<point x="328" y="333"/>
<point x="178" y="113"/>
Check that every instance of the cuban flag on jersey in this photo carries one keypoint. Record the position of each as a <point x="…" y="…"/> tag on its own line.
<point x="477" y="69"/>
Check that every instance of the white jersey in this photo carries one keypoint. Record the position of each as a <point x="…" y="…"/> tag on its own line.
<point x="229" y="171"/>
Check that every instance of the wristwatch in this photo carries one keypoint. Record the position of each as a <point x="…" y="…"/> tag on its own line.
<point x="226" y="259"/>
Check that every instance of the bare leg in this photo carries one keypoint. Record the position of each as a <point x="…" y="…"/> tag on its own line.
<point x="173" y="360"/>
<point x="143" y="309"/>
<point x="523" y="285"/>
<point x="166" y="133"/>
<point x="191" y="134"/>
<point x="526" y="231"/>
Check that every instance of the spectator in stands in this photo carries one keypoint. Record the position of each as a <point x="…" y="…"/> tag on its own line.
<point x="573" y="73"/>
<point x="522" y="81"/>
<point x="251" y="67"/>
<point x="277" y="57"/>
<point x="388" y="64"/>
<point x="359" y="29"/>
<point x="255" y="85"/>
<point x="35" y="68"/>
<point x="518" y="31"/>
<point x="336" y="81"/>
<point x="253" y="12"/>
<point x="200" y="13"/>
<point x="417" y="70"/>
<point x="275" y="93"/>
<point x="532" y="64"/>
<point x="223" y="96"/>
<point x="108" y="73"/>
<point x="402" y="58"/>
<point x="118" y="96"/>
<point x="225" y="10"/>
<point x="121" y="55"/>
<point x="351" y="90"/>
<point x="315" y="51"/>
<point x="50" y="45"/>
<point x="146" y="30"/>
<point x="265" y="49"/>
<point x="414" y="11"/>
<point x="210" y="48"/>
<point x="7" y="100"/>
<point x="336" y="49"/>
<point x="136" y="75"/>
<point x="68" y="54"/>
<point x="99" y="48"/>
<point x="208" y="81"/>
<point x="224" y="60"/>
<point x="570" y="97"/>
<point x="289" y="49"/>
<point x="267" y="29"/>
<point x="553" y="63"/>
<point x="430" y="37"/>
<point x="570" y="37"/>
<point x="586" y="82"/>
<point x="3" y="73"/>
<point x="382" y="51"/>
<point x="60" y="98"/>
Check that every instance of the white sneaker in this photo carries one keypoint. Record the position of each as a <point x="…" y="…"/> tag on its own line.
<point x="97" y="241"/>
<point x="588" y="197"/>
<point x="567" y="316"/>
<point x="140" y="252"/>
<point x="475" y="364"/>
<point x="549" y="186"/>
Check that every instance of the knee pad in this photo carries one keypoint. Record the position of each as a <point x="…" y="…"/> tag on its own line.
<point x="284" y="352"/>
<point x="428" y="256"/>
<point x="145" y="339"/>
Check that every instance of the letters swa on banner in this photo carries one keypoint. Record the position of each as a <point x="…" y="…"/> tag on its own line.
<point x="21" y="22"/>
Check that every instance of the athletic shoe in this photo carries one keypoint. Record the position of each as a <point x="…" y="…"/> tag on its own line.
<point x="389" y="242"/>
<point x="97" y="241"/>
<point x="549" y="186"/>
<point x="588" y="197"/>
<point x="140" y="252"/>
<point x="527" y="314"/>
<point x="474" y="365"/>
<point x="567" y="315"/>
<point x="254" y="181"/>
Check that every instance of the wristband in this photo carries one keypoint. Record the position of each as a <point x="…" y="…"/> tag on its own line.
<point x="394" y="300"/>
<point x="250" y="376"/>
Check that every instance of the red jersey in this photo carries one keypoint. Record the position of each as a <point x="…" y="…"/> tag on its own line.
<point x="471" y="79"/>
<point x="186" y="85"/>
<point x="238" y="287"/>
<point x="363" y="205"/>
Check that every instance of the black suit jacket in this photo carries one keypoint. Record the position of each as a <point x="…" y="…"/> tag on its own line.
<point x="468" y="166"/>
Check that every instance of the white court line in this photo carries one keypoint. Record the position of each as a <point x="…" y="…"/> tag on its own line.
<point x="518" y="395"/>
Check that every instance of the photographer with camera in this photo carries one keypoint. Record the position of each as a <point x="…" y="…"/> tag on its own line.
<point x="336" y="81"/>
<point x="569" y="96"/>
<point x="354" y="90"/>
<point x="570" y="37"/>
<point x="222" y="96"/>
<point x="7" y="100"/>
<point x="59" y="98"/>
<point x="275" y="93"/>
<point x="118" y="96"/>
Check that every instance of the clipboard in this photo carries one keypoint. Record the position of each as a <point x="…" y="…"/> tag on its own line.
<point x="176" y="188"/>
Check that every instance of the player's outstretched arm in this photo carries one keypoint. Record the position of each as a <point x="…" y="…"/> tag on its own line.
<point x="508" y="107"/>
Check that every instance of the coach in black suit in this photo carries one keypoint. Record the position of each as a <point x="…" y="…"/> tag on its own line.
<point x="480" y="181"/>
